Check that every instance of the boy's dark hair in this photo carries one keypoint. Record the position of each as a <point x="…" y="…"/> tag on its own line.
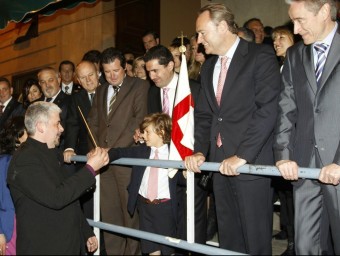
<point x="162" y="124"/>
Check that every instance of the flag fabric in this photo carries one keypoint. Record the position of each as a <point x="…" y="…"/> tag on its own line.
<point x="182" y="135"/>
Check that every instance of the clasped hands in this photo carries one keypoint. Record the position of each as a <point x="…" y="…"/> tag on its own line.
<point x="329" y="174"/>
<point x="96" y="158"/>
<point x="228" y="166"/>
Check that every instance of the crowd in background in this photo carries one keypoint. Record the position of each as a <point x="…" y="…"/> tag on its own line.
<point x="115" y="91"/>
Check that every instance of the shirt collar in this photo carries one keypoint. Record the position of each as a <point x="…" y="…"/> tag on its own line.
<point x="6" y="102"/>
<point x="329" y="38"/>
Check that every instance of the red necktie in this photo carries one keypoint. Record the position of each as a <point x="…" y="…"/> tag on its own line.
<point x="153" y="181"/>
<point x="220" y="85"/>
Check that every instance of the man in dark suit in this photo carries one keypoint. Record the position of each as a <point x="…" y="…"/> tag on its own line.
<point x="50" y="84"/>
<point x="49" y="219"/>
<point x="9" y="107"/>
<point x="66" y="73"/>
<point x="118" y="107"/>
<point x="234" y="121"/>
<point x="76" y="134"/>
<point x="307" y="132"/>
<point x="159" y="63"/>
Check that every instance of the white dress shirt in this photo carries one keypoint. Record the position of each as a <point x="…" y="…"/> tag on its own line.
<point x="163" y="178"/>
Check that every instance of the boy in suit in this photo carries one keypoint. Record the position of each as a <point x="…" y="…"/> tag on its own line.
<point x="150" y="189"/>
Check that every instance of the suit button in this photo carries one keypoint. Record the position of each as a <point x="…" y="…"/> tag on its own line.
<point x="108" y="125"/>
<point x="317" y="110"/>
<point x="105" y="141"/>
<point x="220" y="119"/>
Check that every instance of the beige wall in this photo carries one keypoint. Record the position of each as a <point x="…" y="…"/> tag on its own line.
<point x="65" y="35"/>
<point x="177" y="16"/>
<point x="68" y="34"/>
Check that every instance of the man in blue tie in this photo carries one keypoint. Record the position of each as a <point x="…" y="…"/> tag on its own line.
<point x="308" y="125"/>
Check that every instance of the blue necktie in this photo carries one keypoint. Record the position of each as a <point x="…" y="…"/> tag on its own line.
<point x="320" y="50"/>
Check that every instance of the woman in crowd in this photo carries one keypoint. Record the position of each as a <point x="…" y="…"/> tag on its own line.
<point x="283" y="38"/>
<point x="11" y="137"/>
<point x="198" y="56"/>
<point x="138" y="68"/>
<point x="31" y="92"/>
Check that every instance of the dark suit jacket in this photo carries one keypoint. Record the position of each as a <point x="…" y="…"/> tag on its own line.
<point x="154" y="96"/>
<point x="141" y="151"/>
<point x="49" y="218"/>
<point x="117" y="129"/>
<point x="309" y="118"/>
<point x="76" y="135"/>
<point x="14" y="108"/>
<point x="247" y="114"/>
<point x="62" y="101"/>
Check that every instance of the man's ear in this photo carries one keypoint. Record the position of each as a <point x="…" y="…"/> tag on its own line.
<point x="40" y="127"/>
<point x="171" y="65"/>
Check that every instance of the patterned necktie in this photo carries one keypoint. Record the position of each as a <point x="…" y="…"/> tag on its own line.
<point x="113" y="98"/>
<point x="66" y="89"/>
<point x="153" y="181"/>
<point x="320" y="63"/>
<point x="221" y="79"/>
<point x="220" y="85"/>
<point x="166" y="102"/>
<point x="1" y="109"/>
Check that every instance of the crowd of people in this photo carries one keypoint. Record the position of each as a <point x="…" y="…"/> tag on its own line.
<point x="258" y="99"/>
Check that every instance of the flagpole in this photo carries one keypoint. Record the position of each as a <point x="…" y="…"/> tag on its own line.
<point x="96" y="194"/>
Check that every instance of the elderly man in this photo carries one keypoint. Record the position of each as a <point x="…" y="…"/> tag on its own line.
<point x="49" y="81"/>
<point x="49" y="219"/>
<point x="9" y="107"/>
<point x="118" y="107"/>
<point x="76" y="134"/>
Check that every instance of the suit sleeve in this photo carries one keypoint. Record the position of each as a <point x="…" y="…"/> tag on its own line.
<point x="203" y="120"/>
<point x="93" y="117"/>
<point x="262" y="122"/>
<point x="287" y="112"/>
<point x="40" y="182"/>
<point x="72" y="125"/>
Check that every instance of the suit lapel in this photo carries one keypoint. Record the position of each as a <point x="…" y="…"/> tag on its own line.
<point x="235" y="67"/>
<point x="123" y="92"/>
<point x="208" y="81"/>
<point x="84" y="102"/>
<point x="308" y="64"/>
<point x="332" y="59"/>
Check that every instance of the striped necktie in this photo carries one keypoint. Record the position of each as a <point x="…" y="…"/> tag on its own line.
<point x="113" y="98"/>
<point x="321" y="60"/>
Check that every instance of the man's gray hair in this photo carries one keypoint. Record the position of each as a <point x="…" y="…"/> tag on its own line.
<point x="39" y="112"/>
<point x="315" y="6"/>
